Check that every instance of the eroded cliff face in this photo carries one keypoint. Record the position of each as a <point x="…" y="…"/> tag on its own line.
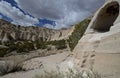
<point x="9" y="32"/>
<point x="99" y="48"/>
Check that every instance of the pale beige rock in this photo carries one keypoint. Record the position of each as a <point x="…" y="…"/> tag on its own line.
<point x="99" y="48"/>
<point x="31" y="32"/>
<point x="37" y="66"/>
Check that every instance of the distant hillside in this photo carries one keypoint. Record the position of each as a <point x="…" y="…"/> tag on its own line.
<point x="24" y="39"/>
<point x="27" y="38"/>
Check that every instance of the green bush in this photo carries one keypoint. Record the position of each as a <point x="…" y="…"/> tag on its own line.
<point x="77" y="33"/>
<point x="3" y="51"/>
<point x="40" y="45"/>
<point x="60" y="47"/>
<point x="21" y="48"/>
<point x="12" y="47"/>
<point x="59" y="44"/>
<point x="26" y="46"/>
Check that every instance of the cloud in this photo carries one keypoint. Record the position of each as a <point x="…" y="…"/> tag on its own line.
<point x="49" y="26"/>
<point x="16" y="15"/>
<point x="64" y="12"/>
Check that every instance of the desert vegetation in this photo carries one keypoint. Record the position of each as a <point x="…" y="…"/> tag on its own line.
<point x="3" y="51"/>
<point x="69" y="74"/>
<point x="10" y="67"/>
<point x="59" y="44"/>
<point x="26" y="46"/>
<point x="77" y="33"/>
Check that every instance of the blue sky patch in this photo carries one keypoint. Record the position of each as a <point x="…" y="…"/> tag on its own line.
<point x="6" y="18"/>
<point x="42" y="22"/>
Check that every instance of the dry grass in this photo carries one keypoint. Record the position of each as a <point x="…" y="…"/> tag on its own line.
<point x="69" y="74"/>
<point x="9" y="67"/>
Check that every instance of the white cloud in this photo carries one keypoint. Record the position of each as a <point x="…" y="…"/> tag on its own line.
<point x="16" y="15"/>
<point x="64" y="12"/>
<point x="49" y="26"/>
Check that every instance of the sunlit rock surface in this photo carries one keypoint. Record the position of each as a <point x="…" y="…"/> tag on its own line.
<point x="99" y="48"/>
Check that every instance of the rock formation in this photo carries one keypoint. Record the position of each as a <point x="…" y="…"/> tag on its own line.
<point x="9" y="32"/>
<point x="99" y="48"/>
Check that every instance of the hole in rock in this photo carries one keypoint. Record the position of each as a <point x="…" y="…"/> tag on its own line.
<point x="106" y="17"/>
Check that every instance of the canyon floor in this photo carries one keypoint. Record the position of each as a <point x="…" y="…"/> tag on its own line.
<point x="37" y="66"/>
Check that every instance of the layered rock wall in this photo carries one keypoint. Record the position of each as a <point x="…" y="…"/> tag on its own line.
<point x="9" y="32"/>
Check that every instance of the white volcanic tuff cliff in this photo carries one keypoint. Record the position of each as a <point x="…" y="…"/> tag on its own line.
<point x="63" y="33"/>
<point x="14" y="32"/>
<point x="99" y="47"/>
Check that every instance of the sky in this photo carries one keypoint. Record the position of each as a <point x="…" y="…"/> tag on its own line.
<point x="54" y="14"/>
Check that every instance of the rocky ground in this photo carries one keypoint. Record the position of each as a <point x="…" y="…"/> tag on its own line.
<point x="108" y="64"/>
<point x="38" y="65"/>
<point x="100" y="52"/>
